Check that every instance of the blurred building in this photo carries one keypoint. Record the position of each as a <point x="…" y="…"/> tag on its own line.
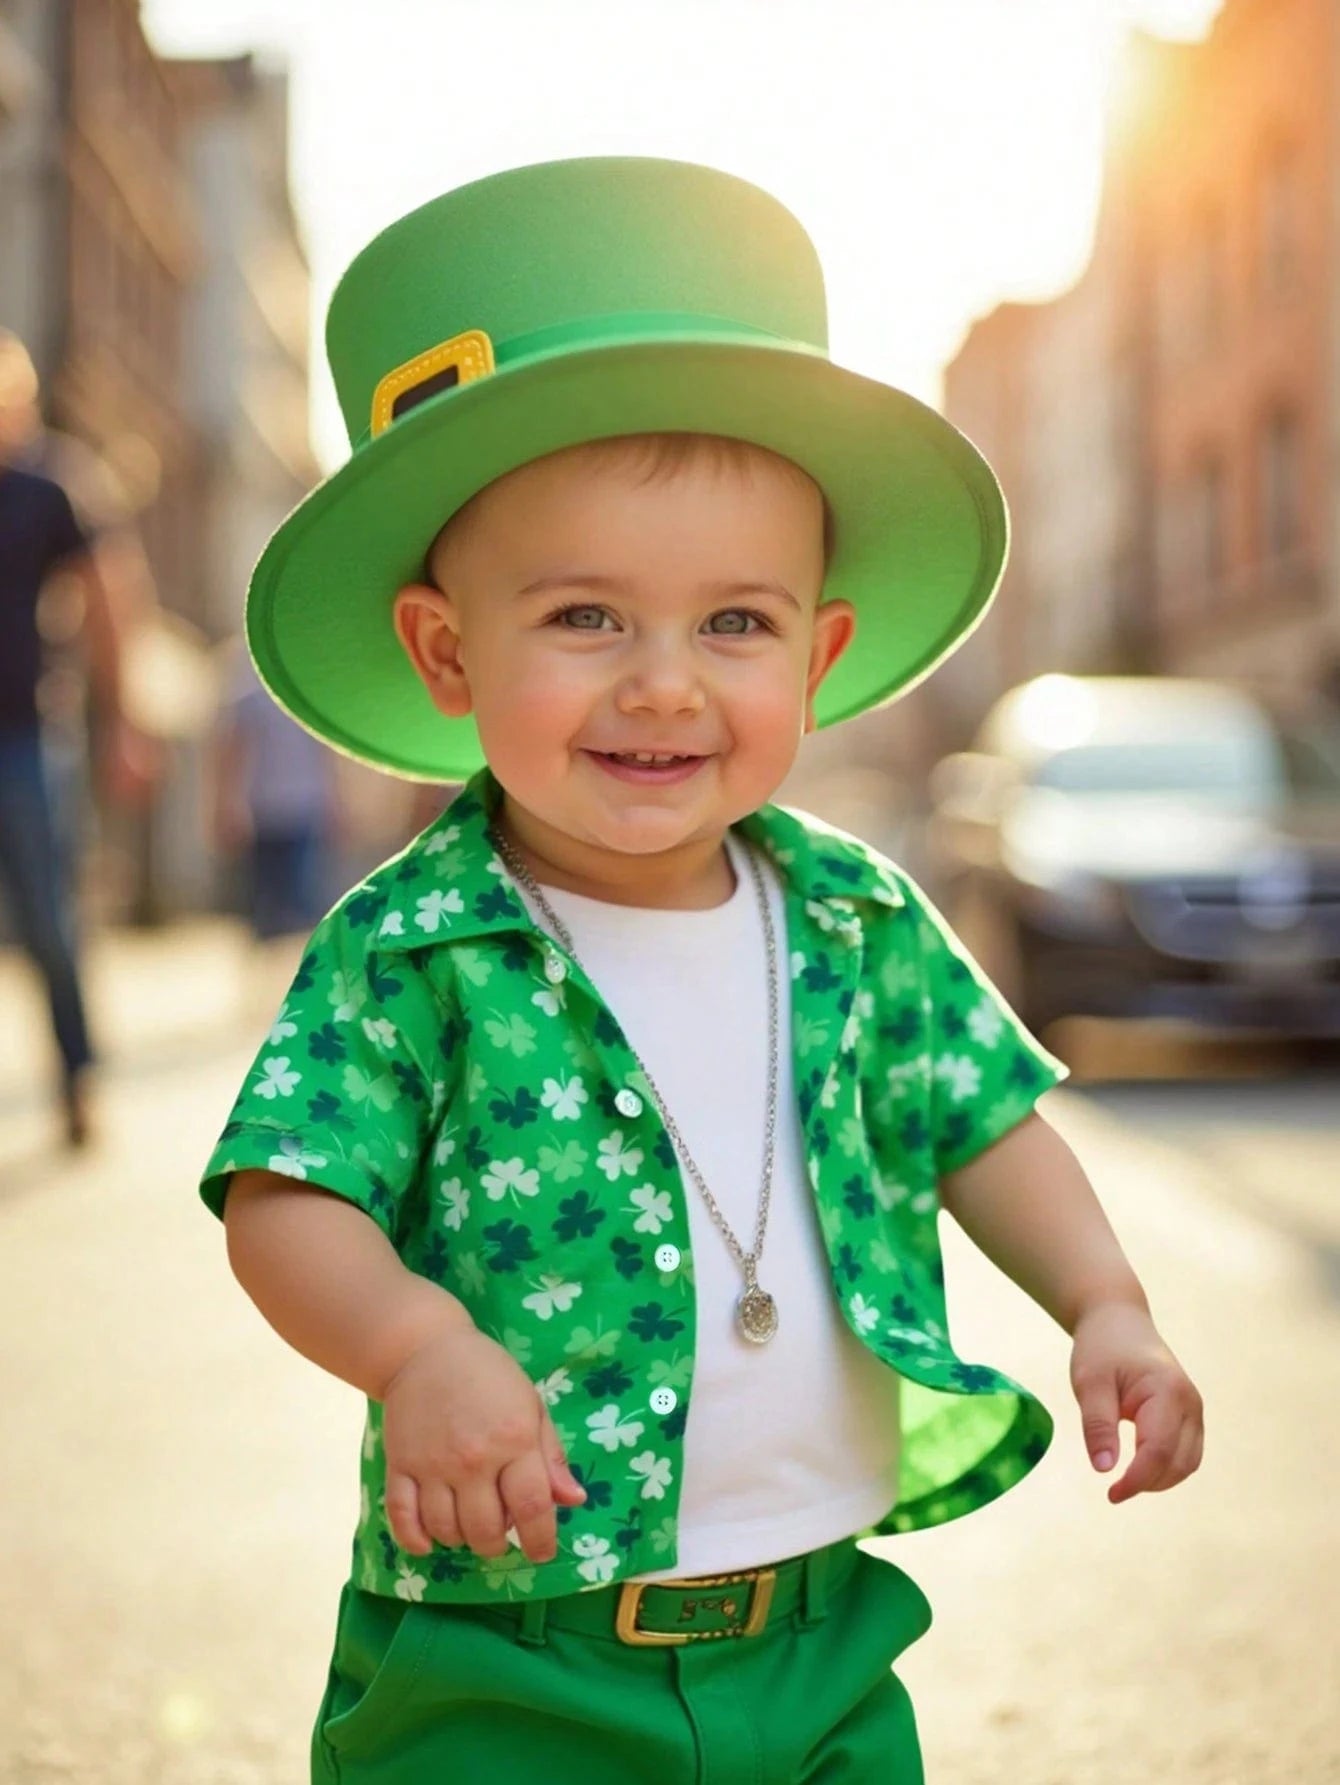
<point x="246" y="323"/>
<point x="152" y="264"/>
<point x="1166" y="431"/>
<point x="988" y="394"/>
<point x="101" y="249"/>
<point x="1234" y="181"/>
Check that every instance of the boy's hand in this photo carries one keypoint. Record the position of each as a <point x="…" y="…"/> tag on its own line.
<point x="471" y="1450"/>
<point x="1121" y="1369"/>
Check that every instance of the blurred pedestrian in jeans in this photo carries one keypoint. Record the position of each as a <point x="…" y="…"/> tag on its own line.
<point x="275" y="806"/>
<point x="39" y="536"/>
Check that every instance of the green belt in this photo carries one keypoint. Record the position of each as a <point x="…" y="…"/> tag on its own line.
<point x="703" y="1609"/>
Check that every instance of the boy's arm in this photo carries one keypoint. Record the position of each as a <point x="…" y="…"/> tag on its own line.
<point x="470" y="1446"/>
<point x="328" y="1280"/>
<point x="1027" y="1204"/>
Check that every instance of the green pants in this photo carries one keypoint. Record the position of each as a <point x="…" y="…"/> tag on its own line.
<point x="423" y="1694"/>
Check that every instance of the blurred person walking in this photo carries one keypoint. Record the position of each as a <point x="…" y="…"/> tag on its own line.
<point x="275" y="805"/>
<point x="39" y="830"/>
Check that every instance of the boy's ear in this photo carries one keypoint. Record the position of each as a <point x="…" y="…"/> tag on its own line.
<point x="834" y="628"/>
<point x="427" y="626"/>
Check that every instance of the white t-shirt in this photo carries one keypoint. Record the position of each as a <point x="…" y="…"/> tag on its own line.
<point x="792" y="1444"/>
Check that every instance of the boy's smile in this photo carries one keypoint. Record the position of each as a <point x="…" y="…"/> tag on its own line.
<point x="640" y="654"/>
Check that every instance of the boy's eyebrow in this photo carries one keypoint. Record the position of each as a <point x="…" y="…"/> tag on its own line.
<point x="613" y="585"/>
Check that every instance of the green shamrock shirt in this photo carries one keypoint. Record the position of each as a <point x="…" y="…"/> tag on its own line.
<point x="441" y="1062"/>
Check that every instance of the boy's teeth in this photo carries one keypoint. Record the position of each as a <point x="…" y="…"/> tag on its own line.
<point x="646" y="758"/>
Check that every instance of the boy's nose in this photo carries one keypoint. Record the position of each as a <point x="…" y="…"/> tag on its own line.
<point x="662" y="681"/>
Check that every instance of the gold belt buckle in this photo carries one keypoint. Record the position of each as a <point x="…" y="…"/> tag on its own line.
<point x="761" y="1580"/>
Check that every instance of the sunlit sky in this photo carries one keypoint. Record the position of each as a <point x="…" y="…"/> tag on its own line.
<point x="943" y="154"/>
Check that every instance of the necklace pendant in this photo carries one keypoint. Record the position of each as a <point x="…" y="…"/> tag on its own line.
<point x="756" y="1315"/>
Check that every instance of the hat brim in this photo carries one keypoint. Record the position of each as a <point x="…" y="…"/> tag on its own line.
<point x="920" y="524"/>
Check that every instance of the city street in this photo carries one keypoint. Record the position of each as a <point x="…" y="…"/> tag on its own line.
<point x="180" y="1487"/>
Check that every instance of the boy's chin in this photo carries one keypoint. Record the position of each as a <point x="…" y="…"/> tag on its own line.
<point x="648" y="830"/>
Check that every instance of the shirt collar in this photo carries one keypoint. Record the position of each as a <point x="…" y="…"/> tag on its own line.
<point x="450" y="885"/>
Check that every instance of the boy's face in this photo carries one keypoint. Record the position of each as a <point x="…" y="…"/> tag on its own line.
<point x="587" y="616"/>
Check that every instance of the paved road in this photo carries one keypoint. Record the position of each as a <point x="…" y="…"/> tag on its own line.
<point x="180" y="1487"/>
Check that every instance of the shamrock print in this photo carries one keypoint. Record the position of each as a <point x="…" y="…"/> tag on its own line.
<point x="628" y="1259"/>
<point x="615" y="1159"/>
<point x="595" y="1562"/>
<point x="554" y="1386"/>
<point x="516" y="1111"/>
<point x="851" y="1136"/>
<point x="511" y="1032"/>
<point x="441" y="841"/>
<point x="961" y="1073"/>
<point x="470" y="1270"/>
<point x="472" y="966"/>
<point x="578" y="1217"/>
<point x="610" y="1379"/>
<point x="986" y="1025"/>
<point x="629" y="1533"/>
<point x="347" y="996"/>
<point x="509" y="1246"/>
<point x="858" y="1196"/>
<point x="283" y="1028"/>
<point x="551" y="1294"/>
<point x="586" y="1346"/>
<point x="673" y="1372"/>
<point x="409" y="1583"/>
<point x="497" y="903"/>
<point x="654" y="1472"/>
<point x="651" y="1321"/>
<point x="905" y="1077"/>
<point x="326" y="1045"/>
<point x="362" y="1087"/>
<point x="609" y="1429"/>
<point x="655" y="1208"/>
<point x="294" y="1160"/>
<point x="278" y="1079"/>
<point x="563" y="1163"/>
<point x="509" y="1177"/>
<point x="864" y="1314"/>
<point x="381" y="1032"/>
<point x="436" y="907"/>
<point x="902" y="1028"/>
<point x="511" y="1573"/>
<point x="564" y="1098"/>
<point x="455" y="1199"/>
<point x="324" y="1111"/>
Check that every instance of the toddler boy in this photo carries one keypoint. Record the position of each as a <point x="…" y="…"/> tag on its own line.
<point x="602" y="1136"/>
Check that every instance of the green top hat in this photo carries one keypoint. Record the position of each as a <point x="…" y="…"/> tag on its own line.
<point x="565" y="302"/>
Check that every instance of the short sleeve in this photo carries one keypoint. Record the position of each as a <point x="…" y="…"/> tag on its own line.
<point x="987" y="1070"/>
<point x="343" y="1091"/>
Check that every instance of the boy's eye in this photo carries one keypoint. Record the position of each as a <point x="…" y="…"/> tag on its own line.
<point x="582" y="619"/>
<point x="735" y="622"/>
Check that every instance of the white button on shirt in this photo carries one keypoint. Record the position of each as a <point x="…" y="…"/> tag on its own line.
<point x="667" y="1258"/>
<point x="555" y="970"/>
<point x="663" y="1401"/>
<point x="628" y="1103"/>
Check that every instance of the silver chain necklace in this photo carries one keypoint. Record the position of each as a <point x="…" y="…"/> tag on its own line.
<point x="756" y="1311"/>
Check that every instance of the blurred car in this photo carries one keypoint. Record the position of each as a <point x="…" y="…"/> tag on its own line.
<point x="1146" y="847"/>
